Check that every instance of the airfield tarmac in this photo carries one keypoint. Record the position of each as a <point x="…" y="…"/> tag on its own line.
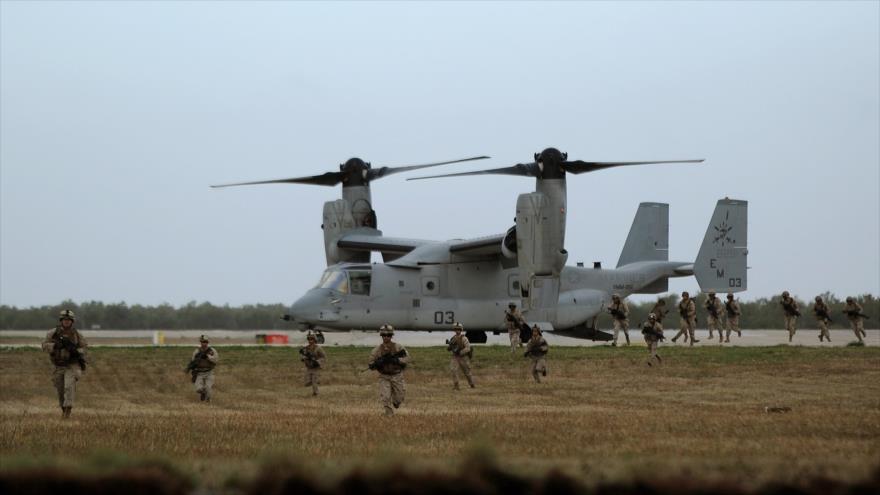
<point x="134" y="338"/>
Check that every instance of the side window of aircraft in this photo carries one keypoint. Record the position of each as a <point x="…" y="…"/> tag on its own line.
<point x="430" y="286"/>
<point x="360" y="282"/>
<point x="334" y="280"/>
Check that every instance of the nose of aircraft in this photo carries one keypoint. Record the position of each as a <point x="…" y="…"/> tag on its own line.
<point x="308" y="307"/>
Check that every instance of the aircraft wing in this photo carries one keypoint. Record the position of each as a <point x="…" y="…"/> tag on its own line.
<point x="480" y="246"/>
<point x="363" y="242"/>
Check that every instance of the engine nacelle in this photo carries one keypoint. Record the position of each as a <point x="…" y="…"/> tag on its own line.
<point x="508" y="244"/>
<point x="337" y="221"/>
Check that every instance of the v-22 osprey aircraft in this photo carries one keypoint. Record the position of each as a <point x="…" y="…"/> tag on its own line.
<point x="428" y="285"/>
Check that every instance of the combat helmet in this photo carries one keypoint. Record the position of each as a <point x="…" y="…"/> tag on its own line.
<point x="386" y="330"/>
<point x="66" y="314"/>
<point x="785" y="293"/>
<point x="457" y="327"/>
<point x="652" y="316"/>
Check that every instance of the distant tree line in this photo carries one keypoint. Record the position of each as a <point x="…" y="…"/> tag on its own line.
<point x="761" y="313"/>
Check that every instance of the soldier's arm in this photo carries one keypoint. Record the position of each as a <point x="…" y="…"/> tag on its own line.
<point x="465" y="346"/>
<point x="624" y="308"/>
<point x="48" y="344"/>
<point x="82" y="343"/>
<point x="320" y="357"/>
<point x="405" y="358"/>
<point x="213" y="356"/>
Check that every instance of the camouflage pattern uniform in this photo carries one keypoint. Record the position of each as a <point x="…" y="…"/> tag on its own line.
<point x="688" y="312"/>
<point x="652" y="330"/>
<point x="853" y="311"/>
<point x="713" y="318"/>
<point x="823" y="317"/>
<point x="313" y="358"/>
<point x="514" y="320"/>
<point x="205" y="359"/>
<point x="67" y="351"/>
<point x="791" y="311"/>
<point x="659" y="310"/>
<point x="537" y="349"/>
<point x="460" y="348"/>
<point x="621" y="320"/>
<point x="731" y="309"/>
<point x="392" y="388"/>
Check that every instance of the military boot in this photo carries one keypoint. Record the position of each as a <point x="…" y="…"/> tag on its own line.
<point x="389" y="411"/>
<point x="471" y="382"/>
<point x="66" y="412"/>
<point x="455" y="386"/>
<point x="202" y="396"/>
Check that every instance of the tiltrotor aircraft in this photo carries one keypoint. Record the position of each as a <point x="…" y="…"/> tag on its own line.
<point x="429" y="285"/>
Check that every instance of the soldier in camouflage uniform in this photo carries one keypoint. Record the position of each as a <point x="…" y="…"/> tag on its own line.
<point x="313" y="358"/>
<point x="688" y="312"/>
<point x="713" y="319"/>
<point x="202" y="364"/>
<point x="460" y="348"/>
<point x="855" y="316"/>
<point x="652" y="330"/>
<point x="389" y="359"/>
<point x="514" y="321"/>
<point x="823" y="318"/>
<point x="732" y="311"/>
<point x="67" y="351"/>
<point x="659" y="311"/>
<point x="620" y="316"/>
<point x="537" y="349"/>
<point x="791" y="312"/>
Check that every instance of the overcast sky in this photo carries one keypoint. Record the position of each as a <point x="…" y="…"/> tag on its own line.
<point x="116" y="116"/>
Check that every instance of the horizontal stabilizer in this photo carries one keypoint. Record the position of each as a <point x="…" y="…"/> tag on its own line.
<point x="722" y="260"/>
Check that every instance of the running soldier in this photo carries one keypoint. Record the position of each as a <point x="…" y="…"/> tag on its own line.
<point x="313" y="357"/>
<point x="537" y="350"/>
<point x="791" y="312"/>
<point x="713" y="320"/>
<point x="461" y="351"/>
<point x="67" y="351"/>
<point x="389" y="359"/>
<point x="514" y="321"/>
<point x="659" y="310"/>
<point x="856" y="318"/>
<point x="202" y="364"/>
<point x="820" y="309"/>
<point x="652" y="330"/>
<point x="731" y="309"/>
<point x="688" y="312"/>
<point x="620" y="316"/>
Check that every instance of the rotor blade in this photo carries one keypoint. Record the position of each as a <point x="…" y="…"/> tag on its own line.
<point x="383" y="171"/>
<point x="327" y="179"/>
<point x="579" y="167"/>
<point x="524" y="169"/>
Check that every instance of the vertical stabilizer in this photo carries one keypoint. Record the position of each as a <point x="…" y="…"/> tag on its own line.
<point x="722" y="260"/>
<point x="648" y="238"/>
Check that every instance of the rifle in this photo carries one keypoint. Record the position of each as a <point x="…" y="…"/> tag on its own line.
<point x="823" y="315"/>
<point x="712" y="311"/>
<point x="73" y="350"/>
<point x="308" y="358"/>
<point x="616" y="313"/>
<point x="389" y="358"/>
<point x="535" y="350"/>
<point x="648" y="329"/>
<point x="790" y="309"/>
<point x="683" y="311"/>
<point x="856" y="314"/>
<point x="191" y="367"/>
<point x="729" y="307"/>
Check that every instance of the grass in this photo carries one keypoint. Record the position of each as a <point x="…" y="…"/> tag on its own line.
<point x="601" y="416"/>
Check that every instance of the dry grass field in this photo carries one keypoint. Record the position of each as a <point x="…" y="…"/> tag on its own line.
<point x="601" y="416"/>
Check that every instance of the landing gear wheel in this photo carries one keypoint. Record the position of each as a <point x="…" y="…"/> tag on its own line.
<point x="319" y="337"/>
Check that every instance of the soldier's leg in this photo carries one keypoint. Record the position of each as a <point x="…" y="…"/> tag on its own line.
<point x="616" y="330"/>
<point x="717" y="324"/>
<point x="71" y="376"/>
<point x="823" y="329"/>
<point x="209" y="385"/>
<point x="199" y="385"/>
<point x="681" y="331"/>
<point x="625" y="325"/>
<point x="727" y="336"/>
<point x="535" y="374"/>
<point x="315" y="379"/>
<point x="856" y="326"/>
<point x="465" y="364"/>
<point x="398" y="390"/>
<point x="58" y="382"/>
<point x="385" y="394"/>
<point x="453" y="369"/>
<point x="861" y="327"/>
<point x="692" y="325"/>
<point x="514" y="337"/>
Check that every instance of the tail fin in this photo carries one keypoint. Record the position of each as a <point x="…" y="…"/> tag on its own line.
<point x="648" y="238"/>
<point x="722" y="260"/>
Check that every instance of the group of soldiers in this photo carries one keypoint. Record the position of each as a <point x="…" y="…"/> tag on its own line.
<point x="67" y="347"/>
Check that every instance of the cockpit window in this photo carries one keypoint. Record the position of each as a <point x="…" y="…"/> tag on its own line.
<point x="360" y="281"/>
<point x="334" y="280"/>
